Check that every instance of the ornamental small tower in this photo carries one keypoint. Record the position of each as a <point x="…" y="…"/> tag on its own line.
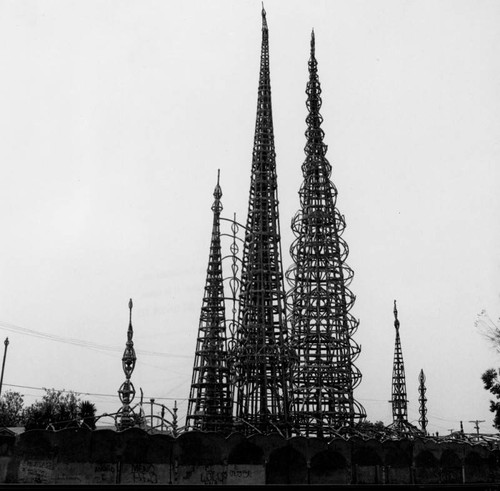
<point x="322" y="327"/>
<point x="259" y="354"/>
<point x="422" y="400"/>
<point x="127" y="390"/>
<point x="209" y="406"/>
<point x="399" y="399"/>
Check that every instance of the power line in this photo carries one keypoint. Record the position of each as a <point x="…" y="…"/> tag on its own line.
<point x="79" y="342"/>
<point x="95" y="394"/>
<point x="373" y="400"/>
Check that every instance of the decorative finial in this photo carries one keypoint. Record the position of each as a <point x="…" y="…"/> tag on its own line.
<point x="313" y="43"/>
<point x="217" y="206"/>
<point x="218" y="190"/>
<point x="421" y="377"/>
<point x="130" y="305"/>
<point x="264" y="22"/>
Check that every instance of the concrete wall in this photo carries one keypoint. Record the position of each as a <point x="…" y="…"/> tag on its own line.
<point x="75" y="456"/>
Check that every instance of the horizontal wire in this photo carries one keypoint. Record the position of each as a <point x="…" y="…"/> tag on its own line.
<point x="94" y="394"/>
<point x="82" y="343"/>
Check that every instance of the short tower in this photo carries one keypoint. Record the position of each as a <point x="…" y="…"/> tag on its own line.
<point x="209" y="406"/>
<point x="399" y="399"/>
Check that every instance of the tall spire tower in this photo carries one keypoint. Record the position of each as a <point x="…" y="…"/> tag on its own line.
<point x="260" y="357"/>
<point x="322" y="326"/>
<point x="209" y="406"/>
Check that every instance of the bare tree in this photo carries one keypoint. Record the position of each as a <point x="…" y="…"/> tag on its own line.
<point x="489" y="329"/>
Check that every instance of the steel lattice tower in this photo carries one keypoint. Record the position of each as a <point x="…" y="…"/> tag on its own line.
<point x="209" y="406"/>
<point x="399" y="399"/>
<point x="322" y="326"/>
<point x="260" y="357"/>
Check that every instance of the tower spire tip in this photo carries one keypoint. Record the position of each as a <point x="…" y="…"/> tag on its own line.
<point x="396" y="321"/>
<point x="217" y="205"/>
<point x="130" y="305"/>
<point x="218" y="191"/>
<point x="421" y="376"/>
<point x="313" y="43"/>
<point x="264" y="21"/>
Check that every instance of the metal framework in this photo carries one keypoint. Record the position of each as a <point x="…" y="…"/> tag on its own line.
<point x="399" y="399"/>
<point x="164" y="422"/>
<point x="324" y="377"/>
<point x="422" y="400"/>
<point x="209" y="406"/>
<point x="259" y="354"/>
<point x="126" y="392"/>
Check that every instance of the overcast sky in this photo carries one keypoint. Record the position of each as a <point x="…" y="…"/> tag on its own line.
<point x="116" y="115"/>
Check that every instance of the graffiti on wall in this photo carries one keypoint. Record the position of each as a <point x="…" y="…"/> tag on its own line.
<point x="36" y="471"/>
<point x="144" y="473"/>
<point x="221" y="474"/>
<point x="104" y="473"/>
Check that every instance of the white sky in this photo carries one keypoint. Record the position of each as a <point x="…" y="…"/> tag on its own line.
<point x="116" y="115"/>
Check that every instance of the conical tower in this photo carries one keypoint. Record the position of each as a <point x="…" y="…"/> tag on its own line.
<point x="399" y="398"/>
<point x="260" y="369"/>
<point x="322" y="327"/>
<point x="209" y="406"/>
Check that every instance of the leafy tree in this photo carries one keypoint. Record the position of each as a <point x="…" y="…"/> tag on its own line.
<point x="58" y="409"/>
<point x="368" y="426"/>
<point x="86" y="413"/>
<point x="490" y="330"/>
<point x="11" y="409"/>
<point x="492" y="383"/>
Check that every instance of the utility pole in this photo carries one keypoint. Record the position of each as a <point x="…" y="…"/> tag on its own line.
<point x="6" y="342"/>
<point x="477" y="421"/>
